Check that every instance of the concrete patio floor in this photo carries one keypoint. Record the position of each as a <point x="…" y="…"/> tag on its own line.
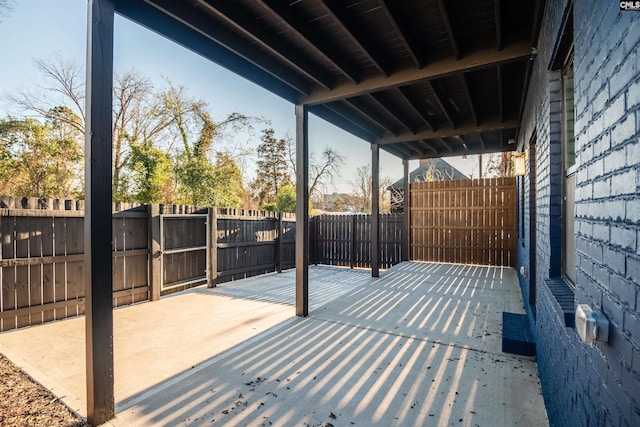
<point x="421" y="345"/>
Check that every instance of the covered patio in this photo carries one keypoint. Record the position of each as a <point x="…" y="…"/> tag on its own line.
<point x="421" y="345"/>
<point x="419" y="79"/>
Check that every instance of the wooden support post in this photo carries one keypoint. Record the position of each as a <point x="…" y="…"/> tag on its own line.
<point x="406" y="221"/>
<point x="212" y="247"/>
<point x="352" y="256"/>
<point x="97" y="223"/>
<point x="278" y="248"/>
<point x="155" y="275"/>
<point x="302" y="211"/>
<point x="375" y="211"/>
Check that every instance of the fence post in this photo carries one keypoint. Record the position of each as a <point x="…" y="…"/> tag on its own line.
<point x="406" y="214"/>
<point x="352" y="255"/>
<point x="212" y="243"/>
<point x="278" y="248"/>
<point x="155" y="275"/>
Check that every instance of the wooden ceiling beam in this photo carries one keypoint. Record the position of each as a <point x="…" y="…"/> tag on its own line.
<point x="339" y="120"/>
<point x="467" y="92"/>
<point x="478" y="59"/>
<point x="236" y="17"/>
<point x="190" y="30"/>
<point x="413" y="148"/>
<point x="500" y="94"/>
<point x="443" y="142"/>
<point x="525" y="87"/>
<point x="354" y="103"/>
<point x="407" y="152"/>
<point x="318" y="43"/>
<point x="393" y="150"/>
<point x="415" y="107"/>
<point x="377" y="99"/>
<point x="440" y="102"/>
<point x="447" y="23"/>
<point x="336" y="9"/>
<point x="474" y="150"/>
<point x="481" y="140"/>
<point x="465" y="129"/>
<point x="357" y="117"/>
<point x="498" y="16"/>
<point x="404" y="37"/>
<point x="426" y="145"/>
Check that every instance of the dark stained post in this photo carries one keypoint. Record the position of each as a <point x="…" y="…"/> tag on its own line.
<point x="97" y="223"/>
<point x="375" y="211"/>
<point x="406" y="221"/>
<point x="212" y="268"/>
<point x="155" y="275"/>
<point x="352" y="256"/>
<point x="278" y="248"/>
<point x="302" y="211"/>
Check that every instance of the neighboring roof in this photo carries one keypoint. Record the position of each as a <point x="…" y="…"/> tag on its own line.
<point x="421" y="78"/>
<point x="439" y="166"/>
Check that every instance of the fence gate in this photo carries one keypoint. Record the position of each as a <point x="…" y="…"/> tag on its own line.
<point x="185" y="257"/>
<point x="465" y="221"/>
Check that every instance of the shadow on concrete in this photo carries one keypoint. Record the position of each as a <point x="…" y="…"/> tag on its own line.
<point x="419" y="346"/>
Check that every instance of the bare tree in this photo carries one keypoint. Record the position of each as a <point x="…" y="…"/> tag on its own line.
<point x="63" y="85"/>
<point x="362" y="187"/>
<point x="323" y="169"/>
<point x="6" y="6"/>
<point x="500" y="165"/>
<point x="137" y="115"/>
<point x="146" y="122"/>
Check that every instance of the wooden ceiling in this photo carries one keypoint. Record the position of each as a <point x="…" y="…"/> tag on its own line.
<point x="422" y="78"/>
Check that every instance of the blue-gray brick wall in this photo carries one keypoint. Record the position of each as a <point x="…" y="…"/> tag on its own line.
<point x="588" y="386"/>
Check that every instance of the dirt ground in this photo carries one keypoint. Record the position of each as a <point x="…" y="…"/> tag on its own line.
<point x="23" y="402"/>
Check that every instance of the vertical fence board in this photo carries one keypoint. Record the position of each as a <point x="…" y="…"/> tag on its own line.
<point x="7" y="274"/>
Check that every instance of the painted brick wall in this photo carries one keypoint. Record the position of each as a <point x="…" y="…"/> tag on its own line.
<point x="583" y="385"/>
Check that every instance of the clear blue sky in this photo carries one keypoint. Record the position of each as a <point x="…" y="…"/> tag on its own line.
<point x="38" y="29"/>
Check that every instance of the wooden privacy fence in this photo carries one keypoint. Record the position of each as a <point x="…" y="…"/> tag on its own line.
<point x="466" y="221"/>
<point x="345" y="240"/>
<point x="42" y="259"/>
<point x="157" y="249"/>
<point x="160" y="249"/>
<point x="252" y="243"/>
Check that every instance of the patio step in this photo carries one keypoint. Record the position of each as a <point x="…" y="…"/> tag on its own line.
<point x="516" y="335"/>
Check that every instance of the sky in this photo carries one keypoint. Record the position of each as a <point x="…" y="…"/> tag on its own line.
<point x="41" y="29"/>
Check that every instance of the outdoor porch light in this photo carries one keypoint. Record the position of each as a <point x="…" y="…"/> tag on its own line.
<point x="519" y="163"/>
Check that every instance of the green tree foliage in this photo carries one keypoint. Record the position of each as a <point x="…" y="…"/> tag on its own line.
<point x="199" y="181"/>
<point x="286" y="199"/>
<point x="153" y="174"/>
<point x="195" y="180"/>
<point x="227" y="182"/>
<point x="40" y="159"/>
<point x="338" y="205"/>
<point x="272" y="169"/>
